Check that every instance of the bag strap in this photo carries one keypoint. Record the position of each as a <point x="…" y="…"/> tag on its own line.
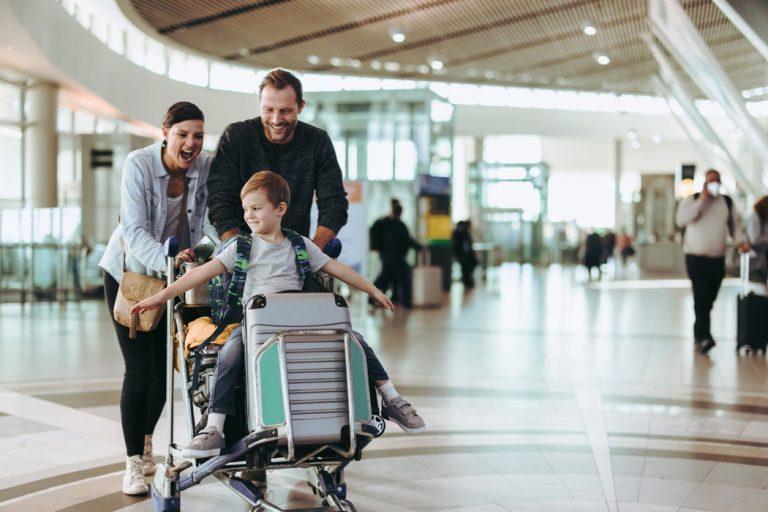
<point x="183" y="210"/>
<point x="179" y="226"/>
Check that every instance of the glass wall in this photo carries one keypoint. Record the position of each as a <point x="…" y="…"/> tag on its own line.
<point x="51" y="253"/>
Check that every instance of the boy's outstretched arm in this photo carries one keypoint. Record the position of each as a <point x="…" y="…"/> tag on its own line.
<point x="345" y="273"/>
<point x="189" y="280"/>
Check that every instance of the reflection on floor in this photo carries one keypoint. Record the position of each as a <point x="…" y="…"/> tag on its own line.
<point x="541" y="393"/>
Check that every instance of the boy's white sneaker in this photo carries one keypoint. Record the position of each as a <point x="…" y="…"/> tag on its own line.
<point x="147" y="462"/>
<point x="133" y="480"/>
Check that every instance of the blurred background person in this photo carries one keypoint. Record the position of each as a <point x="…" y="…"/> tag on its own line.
<point x="390" y="237"/>
<point x="461" y="239"/>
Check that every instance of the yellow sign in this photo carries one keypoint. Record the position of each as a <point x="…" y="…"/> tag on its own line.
<point x="439" y="227"/>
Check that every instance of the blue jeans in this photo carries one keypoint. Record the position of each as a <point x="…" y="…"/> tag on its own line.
<point x="231" y="362"/>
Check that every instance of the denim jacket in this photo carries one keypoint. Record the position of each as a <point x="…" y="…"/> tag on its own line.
<point x="143" y="206"/>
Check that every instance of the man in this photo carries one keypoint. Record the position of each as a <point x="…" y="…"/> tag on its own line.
<point x="391" y="238"/>
<point x="708" y="219"/>
<point x="278" y="141"/>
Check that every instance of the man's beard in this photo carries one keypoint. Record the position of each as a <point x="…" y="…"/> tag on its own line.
<point x="284" y="134"/>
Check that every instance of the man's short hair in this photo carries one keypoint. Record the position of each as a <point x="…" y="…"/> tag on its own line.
<point x="277" y="189"/>
<point x="712" y="170"/>
<point x="280" y="79"/>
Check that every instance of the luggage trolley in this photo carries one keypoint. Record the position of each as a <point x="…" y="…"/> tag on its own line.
<point x="307" y="400"/>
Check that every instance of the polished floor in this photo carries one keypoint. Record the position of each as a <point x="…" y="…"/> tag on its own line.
<point x="542" y="392"/>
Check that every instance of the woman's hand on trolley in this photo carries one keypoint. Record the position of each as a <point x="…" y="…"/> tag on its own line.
<point x="184" y="256"/>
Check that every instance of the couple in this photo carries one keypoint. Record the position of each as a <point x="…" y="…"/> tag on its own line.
<point x="173" y="187"/>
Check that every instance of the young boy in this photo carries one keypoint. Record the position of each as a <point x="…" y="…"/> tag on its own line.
<point x="272" y="268"/>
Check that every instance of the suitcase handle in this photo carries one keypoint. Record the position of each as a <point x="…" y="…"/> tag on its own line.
<point x="744" y="272"/>
<point x="424" y="258"/>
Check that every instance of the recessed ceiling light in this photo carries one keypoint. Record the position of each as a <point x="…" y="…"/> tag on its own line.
<point x="588" y="28"/>
<point x="397" y="34"/>
<point x="631" y="134"/>
<point x="243" y="52"/>
<point x="375" y="65"/>
<point x="436" y="64"/>
<point x="392" y="66"/>
<point x="656" y="138"/>
<point x="602" y="59"/>
<point x="423" y="69"/>
<point x="635" y="144"/>
<point x="335" y="61"/>
<point x="313" y="59"/>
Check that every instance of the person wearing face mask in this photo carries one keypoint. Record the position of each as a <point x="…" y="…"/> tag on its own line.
<point x="708" y="218"/>
<point x="301" y="153"/>
<point x="162" y="194"/>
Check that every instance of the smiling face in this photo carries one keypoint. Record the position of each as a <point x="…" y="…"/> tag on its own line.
<point x="279" y="113"/>
<point x="185" y="142"/>
<point x="260" y="214"/>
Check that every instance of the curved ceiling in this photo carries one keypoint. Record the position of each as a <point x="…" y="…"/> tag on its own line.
<point x="525" y="43"/>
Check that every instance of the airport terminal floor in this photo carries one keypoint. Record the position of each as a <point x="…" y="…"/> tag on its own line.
<point x="541" y="392"/>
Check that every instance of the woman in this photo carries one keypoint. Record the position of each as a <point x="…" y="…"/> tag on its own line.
<point x="151" y="208"/>
<point x="757" y="236"/>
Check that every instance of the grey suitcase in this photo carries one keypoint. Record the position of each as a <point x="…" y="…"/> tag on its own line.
<point x="427" y="282"/>
<point x="321" y="364"/>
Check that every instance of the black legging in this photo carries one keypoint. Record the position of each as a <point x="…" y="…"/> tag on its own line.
<point x="143" y="396"/>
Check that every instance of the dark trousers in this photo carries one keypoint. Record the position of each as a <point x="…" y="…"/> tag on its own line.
<point x="706" y="276"/>
<point x="395" y="273"/>
<point x="143" y="395"/>
<point x="230" y="365"/>
<point x="468" y="266"/>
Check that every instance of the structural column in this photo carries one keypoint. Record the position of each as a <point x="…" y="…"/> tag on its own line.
<point x="617" y="171"/>
<point x="41" y="145"/>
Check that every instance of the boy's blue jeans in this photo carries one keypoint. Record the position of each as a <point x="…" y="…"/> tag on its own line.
<point x="230" y="365"/>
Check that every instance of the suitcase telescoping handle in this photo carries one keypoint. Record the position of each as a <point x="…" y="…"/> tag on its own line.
<point x="744" y="272"/>
<point x="423" y="259"/>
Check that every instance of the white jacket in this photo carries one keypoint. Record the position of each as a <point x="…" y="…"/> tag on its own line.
<point x="143" y="207"/>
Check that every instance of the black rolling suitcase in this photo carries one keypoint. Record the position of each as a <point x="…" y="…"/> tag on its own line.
<point x="752" y="315"/>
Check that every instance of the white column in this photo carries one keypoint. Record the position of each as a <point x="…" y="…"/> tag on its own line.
<point x="617" y="171"/>
<point x="41" y="145"/>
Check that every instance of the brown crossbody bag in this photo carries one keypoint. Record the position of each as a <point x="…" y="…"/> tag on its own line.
<point x="135" y="287"/>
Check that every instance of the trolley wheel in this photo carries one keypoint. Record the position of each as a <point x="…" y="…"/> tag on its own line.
<point x="347" y="506"/>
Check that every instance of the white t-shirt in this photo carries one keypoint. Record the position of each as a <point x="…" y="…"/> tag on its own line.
<point x="272" y="266"/>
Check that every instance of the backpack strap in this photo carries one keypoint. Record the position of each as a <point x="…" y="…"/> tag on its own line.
<point x="198" y="350"/>
<point x="302" y="256"/>
<point x="729" y="204"/>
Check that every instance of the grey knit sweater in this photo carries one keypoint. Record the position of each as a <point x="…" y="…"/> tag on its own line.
<point x="308" y="163"/>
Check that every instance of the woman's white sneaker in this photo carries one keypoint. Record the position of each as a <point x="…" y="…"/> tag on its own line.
<point x="133" y="480"/>
<point x="147" y="462"/>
